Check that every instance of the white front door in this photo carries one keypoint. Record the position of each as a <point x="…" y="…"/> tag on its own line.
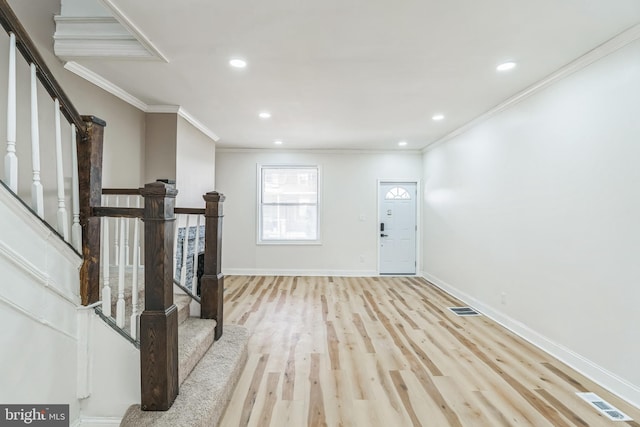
<point x="397" y="227"/>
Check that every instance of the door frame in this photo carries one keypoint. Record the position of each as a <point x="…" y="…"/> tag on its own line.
<point x="418" y="221"/>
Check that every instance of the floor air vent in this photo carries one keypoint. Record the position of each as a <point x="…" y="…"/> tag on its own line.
<point x="464" y="311"/>
<point x="604" y="407"/>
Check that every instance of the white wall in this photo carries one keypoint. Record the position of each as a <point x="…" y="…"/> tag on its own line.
<point x="540" y="204"/>
<point x="38" y="299"/>
<point x="348" y="191"/>
<point x="42" y="339"/>
<point x="195" y="165"/>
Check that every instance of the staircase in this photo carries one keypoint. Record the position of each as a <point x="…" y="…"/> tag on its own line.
<point x="188" y="366"/>
<point x="208" y="373"/>
<point x="207" y="369"/>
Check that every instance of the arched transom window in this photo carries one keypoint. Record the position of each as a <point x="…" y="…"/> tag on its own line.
<point x="397" y="193"/>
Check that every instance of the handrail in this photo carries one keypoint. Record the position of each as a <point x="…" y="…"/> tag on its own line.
<point x="101" y="211"/>
<point x="189" y="211"/>
<point x="24" y="44"/>
<point x="121" y="191"/>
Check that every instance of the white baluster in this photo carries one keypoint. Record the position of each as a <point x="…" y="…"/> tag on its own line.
<point x="63" y="223"/>
<point x="139" y="201"/>
<point x="194" y="281"/>
<point x="106" y="288"/>
<point x="121" y="265"/>
<point x="185" y="246"/>
<point x="176" y="229"/>
<point x="37" y="201"/>
<point x="116" y="246"/>
<point x="126" y="234"/>
<point x="134" y="279"/>
<point x="76" y="229"/>
<point x="10" y="159"/>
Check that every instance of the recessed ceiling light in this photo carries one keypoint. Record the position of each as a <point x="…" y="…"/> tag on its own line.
<point x="402" y="143"/>
<point x="437" y="117"/>
<point x="506" y="66"/>
<point x="264" y="115"/>
<point x="238" y="63"/>
<point x="277" y="142"/>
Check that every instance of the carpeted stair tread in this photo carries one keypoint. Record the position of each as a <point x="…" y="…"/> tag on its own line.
<point x="207" y="390"/>
<point x="195" y="336"/>
<point x="182" y="303"/>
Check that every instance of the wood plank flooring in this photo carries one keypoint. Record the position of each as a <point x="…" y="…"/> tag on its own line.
<point x="336" y="351"/>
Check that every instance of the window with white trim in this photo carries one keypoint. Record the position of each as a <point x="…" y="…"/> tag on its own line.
<point x="288" y="204"/>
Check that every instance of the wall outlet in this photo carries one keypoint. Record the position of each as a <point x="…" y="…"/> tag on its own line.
<point x="361" y="258"/>
<point x="503" y="298"/>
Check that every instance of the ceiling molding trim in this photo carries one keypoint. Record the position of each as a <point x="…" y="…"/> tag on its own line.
<point x="619" y="41"/>
<point x="174" y="109"/>
<point x="314" y="151"/>
<point x="133" y="29"/>
<point x="96" y="37"/>
<point x="197" y="124"/>
<point x="105" y="84"/>
<point x="117" y="91"/>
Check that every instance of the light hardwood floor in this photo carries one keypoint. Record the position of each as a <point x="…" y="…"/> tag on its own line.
<point x="386" y="351"/>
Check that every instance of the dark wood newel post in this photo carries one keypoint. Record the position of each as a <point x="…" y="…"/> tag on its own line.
<point x="89" y="148"/>
<point x="212" y="284"/>
<point x="159" y="321"/>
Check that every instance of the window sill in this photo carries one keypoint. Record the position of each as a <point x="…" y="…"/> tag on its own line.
<point x="289" y="243"/>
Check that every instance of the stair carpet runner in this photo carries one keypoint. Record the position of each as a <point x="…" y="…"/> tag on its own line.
<point x="207" y="371"/>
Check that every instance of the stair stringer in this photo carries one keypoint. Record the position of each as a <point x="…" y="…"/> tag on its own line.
<point x="112" y="375"/>
<point x="39" y="300"/>
<point x="54" y="350"/>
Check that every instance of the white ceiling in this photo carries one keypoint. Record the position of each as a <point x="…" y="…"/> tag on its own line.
<point x="352" y="74"/>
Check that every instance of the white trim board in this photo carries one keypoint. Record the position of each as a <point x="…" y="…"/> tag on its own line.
<point x="118" y="92"/>
<point x="286" y="272"/>
<point x="608" y="380"/>
<point x="315" y="150"/>
<point x="133" y="29"/>
<point x="37" y="225"/>
<point x="619" y="41"/>
<point x="97" y="422"/>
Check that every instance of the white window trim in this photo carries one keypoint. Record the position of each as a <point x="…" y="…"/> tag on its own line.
<point x="261" y="242"/>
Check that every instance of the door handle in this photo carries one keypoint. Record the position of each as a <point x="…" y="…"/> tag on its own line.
<point x="384" y="235"/>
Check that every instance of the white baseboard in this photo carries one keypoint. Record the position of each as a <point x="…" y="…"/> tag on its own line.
<point x="97" y="422"/>
<point x="610" y="381"/>
<point x="286" y="272"/>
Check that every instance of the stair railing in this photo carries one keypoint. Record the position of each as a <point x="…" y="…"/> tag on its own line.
<point x="166" y="228"/>
<point x="82" y="227"/>
<point x="79" y="143"/>
<point x="198" y="257"/>
<point x="122" y="232"/>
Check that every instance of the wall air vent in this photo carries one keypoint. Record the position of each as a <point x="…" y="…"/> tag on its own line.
<point x="604" y="407"/>
<point x="464" y="311"/>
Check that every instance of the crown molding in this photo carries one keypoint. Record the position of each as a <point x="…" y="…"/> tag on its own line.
<point x="281" y="149"/>
<point x="118" y="92"/>
<point x="104" y="84"/>
<point x="175" y="109"/>
<point x="198" y="124"/>
<point x="133" y="29"/>
<point x="98" y="37"/>
<point x="619" y="41"/>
